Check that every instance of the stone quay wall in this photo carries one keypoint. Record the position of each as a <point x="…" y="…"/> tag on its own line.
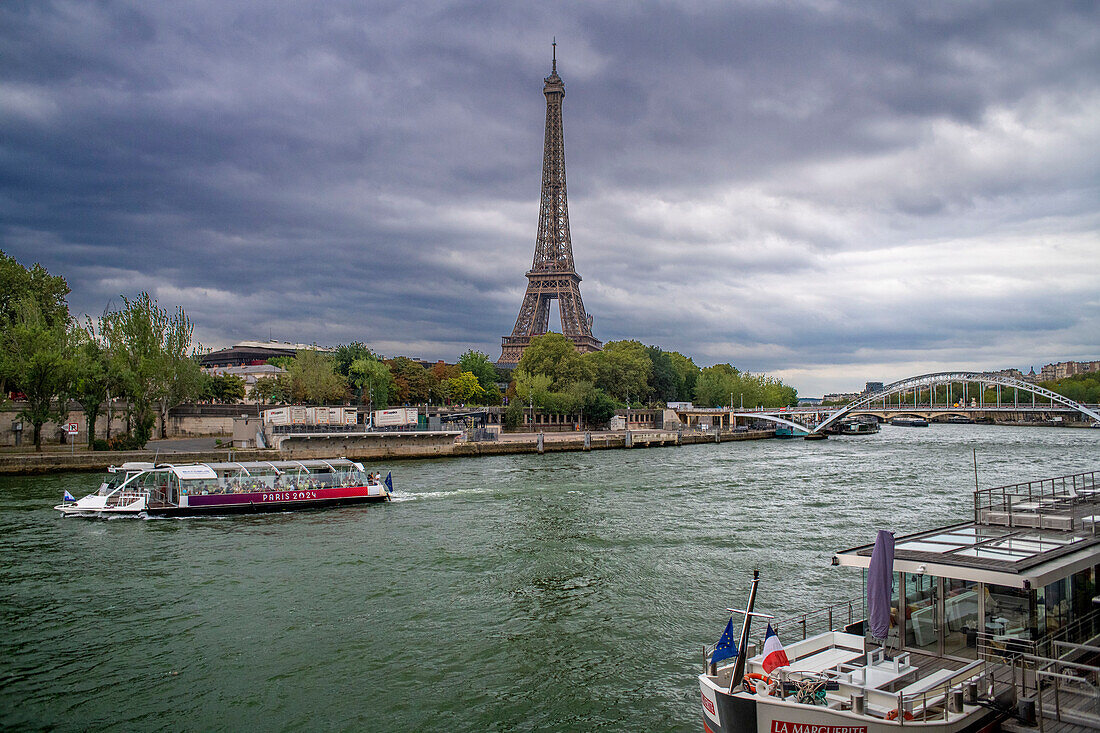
<point x="374" y="447"/>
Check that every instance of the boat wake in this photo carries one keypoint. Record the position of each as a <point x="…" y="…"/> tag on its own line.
<point x="402" y="496"/>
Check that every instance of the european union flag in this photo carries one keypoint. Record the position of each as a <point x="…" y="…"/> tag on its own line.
<point x="727" y="646"/>
<point x="389" y="481"/>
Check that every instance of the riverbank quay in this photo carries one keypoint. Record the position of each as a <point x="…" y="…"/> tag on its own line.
<point x="604" y="440"/>
<point x="374" y="447"/>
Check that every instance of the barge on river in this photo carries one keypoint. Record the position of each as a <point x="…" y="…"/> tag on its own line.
<point x="149" y="489"/>
<point x="993" y="623"/>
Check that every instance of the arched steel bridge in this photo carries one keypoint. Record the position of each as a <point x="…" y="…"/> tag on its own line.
<point x="928" y="381"/>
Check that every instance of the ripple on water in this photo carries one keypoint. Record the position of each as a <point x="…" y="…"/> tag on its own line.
<point x="560" y="592"/>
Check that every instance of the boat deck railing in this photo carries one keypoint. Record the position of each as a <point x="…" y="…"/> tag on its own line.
<point x="1061" y="689"/>
<point x="821" y="620"/>
<point x="1006" y="649"/>
<point x="1070" y="502"/>
<point x="802" y="627"/>
<point x="126" y="496"/>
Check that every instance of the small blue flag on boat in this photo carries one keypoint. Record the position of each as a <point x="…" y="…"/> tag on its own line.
<point x="727" y="646"/>
<point x="389" y="481"/>
<point x="69" y="497"/>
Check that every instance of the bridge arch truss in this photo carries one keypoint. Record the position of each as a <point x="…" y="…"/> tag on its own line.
<point x="935" y="379"/>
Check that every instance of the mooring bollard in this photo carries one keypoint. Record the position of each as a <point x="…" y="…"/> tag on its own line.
<point x="628" y="442"/>
<point x="540" y="439"/>
<point x="587" y="440"/>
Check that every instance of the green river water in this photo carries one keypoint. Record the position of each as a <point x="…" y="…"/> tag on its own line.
<point x="523" y="593"/>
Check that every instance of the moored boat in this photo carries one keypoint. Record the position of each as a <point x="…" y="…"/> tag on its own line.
<point x="857" y="427"/>
<point x="969" y="626"/>
<point x="149" y="489"/>
<point x="909" y="422"/>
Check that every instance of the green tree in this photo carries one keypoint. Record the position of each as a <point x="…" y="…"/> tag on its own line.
<point x="412" y="383"/>
<point x="665" y="382"/>
<point x="46" y="290"/>
<point x="554" y="355"/>
<point x="92" y="378"/>
<point x="227" y="388"/>
<point x="346" y="354"/>
<point x="717" y="383"/>
<point x="437" y="381"/>
<point x="593" y="404"/>
<point x="513" y="415"/>
<point x="372" y="381"/>
<point x="313" y="378"/>
<point x="1083" y="388"/>
<point x="490" y="396"/>
<point x="152" y="354"/>
<point x="464" y="387"/>
<point x="531" y="388"/>
<point x="478" y="364"/>
<point x="37" y="359"/>
<point x="688" y="372"/>
<point x="623" y="370"/>
<point x="265" y="387"/>
<point x="133" y="336"/>
<point x="17" y="283"/>
<point x="180" y="379"/>
<point x="720" y="384"/>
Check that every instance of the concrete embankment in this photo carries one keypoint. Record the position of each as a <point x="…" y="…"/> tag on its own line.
<point x="56" y="462"/>
<point x="374" y="447"/>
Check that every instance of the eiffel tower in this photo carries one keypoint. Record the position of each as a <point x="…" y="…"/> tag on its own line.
<point x="552" y="274"/>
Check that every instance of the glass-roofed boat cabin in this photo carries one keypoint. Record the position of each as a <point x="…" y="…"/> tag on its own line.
<point x="222" y="488"/>
<point x="1021" y="572"/>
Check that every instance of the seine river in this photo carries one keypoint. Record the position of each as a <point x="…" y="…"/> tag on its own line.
<point x="559" y="592"/>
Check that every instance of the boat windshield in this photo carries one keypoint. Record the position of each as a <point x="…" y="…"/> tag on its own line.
<point x="112" y="482"/>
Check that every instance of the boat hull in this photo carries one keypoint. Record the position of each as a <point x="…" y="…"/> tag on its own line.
<point x="746" y="713"/>
<point x="263" y="507"/>
<point x="234" y="503"/>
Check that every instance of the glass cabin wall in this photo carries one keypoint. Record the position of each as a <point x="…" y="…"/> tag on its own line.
<point x="945" y="616"/>
<point x="960" y="615"/>
<point x="1010" y="613"/>
<point x="1065" y="601"/>
<point x="921" y="612"/>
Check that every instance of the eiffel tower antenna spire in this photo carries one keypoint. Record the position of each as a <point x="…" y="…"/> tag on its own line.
<point x="552" y="275"/>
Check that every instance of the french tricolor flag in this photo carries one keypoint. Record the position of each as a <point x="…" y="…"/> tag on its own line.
<point x="774" y="656"/>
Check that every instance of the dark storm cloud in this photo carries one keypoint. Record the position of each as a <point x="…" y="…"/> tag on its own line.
<point x="802" y="187"/>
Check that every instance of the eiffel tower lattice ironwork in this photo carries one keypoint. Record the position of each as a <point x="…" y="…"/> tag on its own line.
<point x="552" y="274"/>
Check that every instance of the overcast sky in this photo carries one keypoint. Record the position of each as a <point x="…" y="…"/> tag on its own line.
<point x="830" y="192"/>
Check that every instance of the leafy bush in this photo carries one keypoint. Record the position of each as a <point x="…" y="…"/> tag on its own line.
<point x="127" y="442"/>
<point x="513" y="415"/>
<point x="100" y="444"/>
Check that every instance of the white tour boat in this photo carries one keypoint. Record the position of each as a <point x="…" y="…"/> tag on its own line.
<point x="227" y="488"/>
<point x="990" y="624"/>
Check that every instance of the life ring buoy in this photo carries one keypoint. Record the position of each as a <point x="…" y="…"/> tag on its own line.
<point x="762" y="678"/>
<point x="893" y="715"/>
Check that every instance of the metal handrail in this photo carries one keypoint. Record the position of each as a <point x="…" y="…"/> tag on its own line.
<point x="823" y="619"/>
